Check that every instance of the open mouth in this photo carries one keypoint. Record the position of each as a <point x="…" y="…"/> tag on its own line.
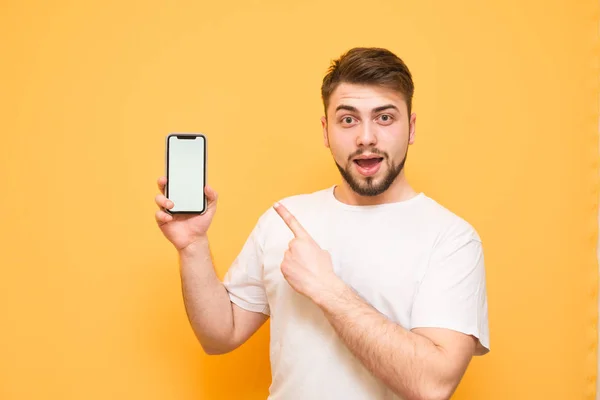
<point x="368" y="166"/>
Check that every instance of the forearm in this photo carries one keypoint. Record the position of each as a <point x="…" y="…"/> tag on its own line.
<point x="408" y="363"/>
<point x="207" y="303"/>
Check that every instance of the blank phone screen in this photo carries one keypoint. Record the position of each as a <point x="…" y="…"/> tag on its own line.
<point x="185" y="173"/>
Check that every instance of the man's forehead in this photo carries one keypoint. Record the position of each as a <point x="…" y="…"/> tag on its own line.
<point x="365" y="95"/>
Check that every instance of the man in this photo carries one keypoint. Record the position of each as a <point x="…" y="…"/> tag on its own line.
<point x="374" y="291"/>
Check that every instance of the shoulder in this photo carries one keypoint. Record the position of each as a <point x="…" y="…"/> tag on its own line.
<point x="449" y="225"/>
<point x="456" y="246"/>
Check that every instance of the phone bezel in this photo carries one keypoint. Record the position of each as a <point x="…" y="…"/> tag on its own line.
<point x="186" y="135"/>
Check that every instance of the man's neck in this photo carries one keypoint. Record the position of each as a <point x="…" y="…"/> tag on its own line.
<point x="399" y="191"/>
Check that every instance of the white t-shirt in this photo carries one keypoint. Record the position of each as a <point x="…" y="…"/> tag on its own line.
<point x="414" y="261"/>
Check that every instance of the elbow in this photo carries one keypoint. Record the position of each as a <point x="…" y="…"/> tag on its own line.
<point x="435" y="392"/>
<point x="212" y="350"/>
<point x="429" y="392"/>
<point x="216" y="347"/>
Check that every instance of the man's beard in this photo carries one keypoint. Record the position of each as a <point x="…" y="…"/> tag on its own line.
<point x="369" y="188"/>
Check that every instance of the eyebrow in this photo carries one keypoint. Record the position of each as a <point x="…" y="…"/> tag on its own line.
<point x="375" y="110"/>
<point x="385" y="107"/>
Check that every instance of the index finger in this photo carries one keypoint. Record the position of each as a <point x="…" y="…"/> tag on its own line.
<point x="291" y="221"/>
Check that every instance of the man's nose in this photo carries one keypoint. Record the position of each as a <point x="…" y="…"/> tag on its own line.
<point x="367" y="135"/>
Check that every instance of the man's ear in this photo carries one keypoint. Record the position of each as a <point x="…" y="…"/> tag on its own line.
<point x="325" y="135"/>
<point x="412" y="128"/>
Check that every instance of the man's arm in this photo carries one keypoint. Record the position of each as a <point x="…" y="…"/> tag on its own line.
<point x="426" y="363"/>
<point x="219" y="325"/>
<point x="420" y="364"/>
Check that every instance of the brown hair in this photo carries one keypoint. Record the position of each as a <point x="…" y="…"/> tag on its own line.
<point x="369" y="66"/>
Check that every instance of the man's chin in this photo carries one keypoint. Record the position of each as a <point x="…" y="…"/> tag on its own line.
<point x="370" y="186"/>
<point x="373" y="185"/>
<point x="369" y="191"/>
<point x="367" y="186"/>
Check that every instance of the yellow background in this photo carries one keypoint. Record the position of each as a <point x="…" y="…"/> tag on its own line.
<point x="507" y="105"/>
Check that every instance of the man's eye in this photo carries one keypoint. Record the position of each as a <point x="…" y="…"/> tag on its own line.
<point x="385" y="118"/>
<point x="347" y="120"/>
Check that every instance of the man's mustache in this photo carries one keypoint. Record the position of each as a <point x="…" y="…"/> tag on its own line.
<point x="372" y="151"/>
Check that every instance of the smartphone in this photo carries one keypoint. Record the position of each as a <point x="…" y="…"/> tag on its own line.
<point x="186" y="172"/>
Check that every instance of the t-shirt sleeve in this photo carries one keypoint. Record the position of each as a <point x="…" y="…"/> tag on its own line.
<point x="452" y="293"/>
<point x="243" y="281"/>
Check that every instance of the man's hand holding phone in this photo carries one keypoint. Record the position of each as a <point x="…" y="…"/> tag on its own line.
<point x="184" y="230"/>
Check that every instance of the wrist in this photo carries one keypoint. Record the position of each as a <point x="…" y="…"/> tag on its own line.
<point x="333" y="292"/>
<point x="194" y="247"/>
